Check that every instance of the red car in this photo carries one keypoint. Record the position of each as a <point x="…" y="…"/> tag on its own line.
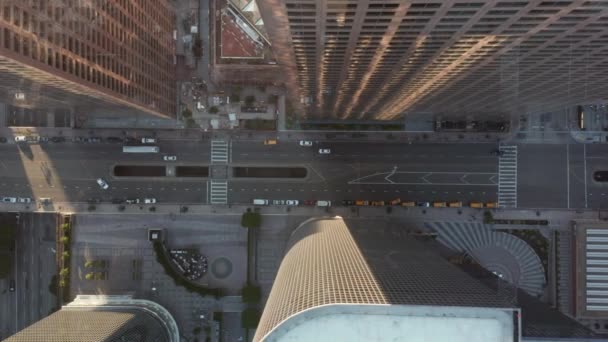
<point x="310" y="202"/>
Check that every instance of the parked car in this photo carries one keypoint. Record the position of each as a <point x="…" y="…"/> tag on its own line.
<point x="497" y="153"/>
<point x="361" y="202"/>
<point x="114" y="140"/>
<point x="439" y="204"/>
<point x="132" y="200"/>
<point x="324" y="151"/>
<point x="130" y="140"/>
<point x="24" y="200"/>
<point x="58" y="139"/>
<point x="3" y="140"/>
<point x="117" y="201"/>
<point x="260" y="202"/>
<point x="310" y="202"/>
<point x="270" y="142"/>
<point x="169" y="158"/>
<point x="95" y="200"/>
<point x="457" y="204"/>
<point x="600" y="176"/>
<point x="20" y="138"/>
<point x="103" y="184"/>
<point x="278" y="202"/>
<point x="292" y="202"/>
<point x="149" y="200"/>
<point x="408" y="204"/>
<point x="492" y="205"/>
<point x="44" y="139"/>
<point x="476" y="205"/>
<point x="323" y="203"/>
<point x="305" y="143"/>
<point x="348" y="202"/>
<point x="93" y="140"/>
<point x="148" y="140"/>
<point x="9" y="199"/>
<point x="11" y="286"/>
<point x="423" y="204"/>
<point x="377" y="203"/>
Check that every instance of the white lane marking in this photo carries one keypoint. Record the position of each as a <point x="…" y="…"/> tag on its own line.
<point x="585" y="163"/>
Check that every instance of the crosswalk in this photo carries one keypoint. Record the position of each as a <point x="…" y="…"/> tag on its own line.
<point x="218" y="192"/>
<point x="220" y="151"/>
<point x="507" y="177"/>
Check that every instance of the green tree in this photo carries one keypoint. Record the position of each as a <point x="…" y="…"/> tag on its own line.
<point x="64" y="272"/>
<point x="487" y="217"/>
<point x="251" y="294"/>
<point x="186" y="113"/>
<point x="65" y="227"/>
<point x="250" y="318"/>
<point x="249" y="100"/>
<point x="88" y="276"/>
<point x="89" y="264"/>
<point x="64" y="240"/>
<point x="251" y="220"/>
<point x="213" y="110"/>
<point x="234" y="98"/>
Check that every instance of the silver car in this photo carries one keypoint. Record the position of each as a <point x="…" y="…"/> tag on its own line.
<point x="9" y="200"/>
<point x="102" y="184"/>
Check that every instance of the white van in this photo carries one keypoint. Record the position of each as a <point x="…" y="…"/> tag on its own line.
<point x="323" y="203"/>
<point x="260" y="202"/>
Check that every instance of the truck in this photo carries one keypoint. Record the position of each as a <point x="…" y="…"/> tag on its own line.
<point x="140" y="149"/>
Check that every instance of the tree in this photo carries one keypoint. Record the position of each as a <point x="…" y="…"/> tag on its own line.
<point x="251" y="220"/>
<point x="89" y="264"/>
<point x="88" y="276"/>
<point x="487" y="217"/>
<point x="213" y="110"/>
<point x="65" y="227"/>
<point x="234" y="98"/>
<point x="251" y="294"/>
<point x="250" y="318"/>
<point x="249" y="100"/>
<point x="64" y="240"/>
<point x="64" y="272"/>
<point x="186" y="113"/>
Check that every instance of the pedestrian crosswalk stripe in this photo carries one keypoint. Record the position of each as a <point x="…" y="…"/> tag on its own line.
<point x="218" y="192"/>
<point x="507" y="177"/>
<point x="220" y="151"/>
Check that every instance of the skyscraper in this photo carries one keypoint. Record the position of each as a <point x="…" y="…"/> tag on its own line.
<point x="88" y="53"/>
<point x="103" y="318"/>
<point x="383" y="59"/>
<point x="361" y="280"/>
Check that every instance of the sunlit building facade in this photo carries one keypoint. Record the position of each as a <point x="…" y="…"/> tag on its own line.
<point x="88" y="53"/>
<point x="383" y="59"/>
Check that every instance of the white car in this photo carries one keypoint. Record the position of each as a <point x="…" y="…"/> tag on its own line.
<point x="148" y="140"/>
<point x="324" y="151"/>
<point x="9" y="200"/>
<point x="149" y="200"/>
<point x="102" y="184"/>
<point x="305" y="143"/>
<point x="169" y="158"/>
<point x="24" y="200"/>
<point x="292" y="202"/>
<point x="20" y="138"/>
<point x="323" y="203"/>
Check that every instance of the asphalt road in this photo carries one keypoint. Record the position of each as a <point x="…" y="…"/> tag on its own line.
<point x="32" y="271"/>
<point x="548" y="176"/>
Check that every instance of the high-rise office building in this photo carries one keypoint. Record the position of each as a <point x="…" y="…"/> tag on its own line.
<point x="361" y="280"/>
<point x="88" y="53"/>
<point x="103" y="318"/>
<point x="383" y="59"/>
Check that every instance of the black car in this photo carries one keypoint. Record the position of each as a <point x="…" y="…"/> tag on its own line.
<point x="117" y="201"/>
<point x="94" y="200"/>
<point x="497" y="153"/>
<point x="114" y="140"/>
<point x="348" y="202"/>
<point x="11" y="286"/>
<point x="600" y="176"/>
<point x="58" y="139"/>
<point x="3" y="140"/>
<point x="130" y="140"/>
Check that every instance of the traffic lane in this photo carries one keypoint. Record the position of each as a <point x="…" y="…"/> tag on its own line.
<point x="596" y="160"/>
<point x="542" y="176"/>
<point x="359" y="151"/>
<point x="81" y="190"/>
<point x="576" y="176"/>
<point x="245" y="192"/>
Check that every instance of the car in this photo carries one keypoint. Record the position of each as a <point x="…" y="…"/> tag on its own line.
<point x="361" y="203"/>
<point x="24" y="200"/>
<point x="20" y="138"/>
<point x="492" y="205"/>
<point x="148" y="140"/>
<point x="58" y="139"/>
<point x="3" y="140"/>
<point x="439" y="204"/>
<point x="324" y="151"/>
<point x="130" y="140"/>
<point x="44" y="139"/>
<point x="423" y="204"/>
<point x="348" y="202"/>
<point x="278" y="202"/>
<point x="9" y="200"/>
<point x="377" y="203"/>
<point x="323" y="203"/>
<point x="102" y="184"/>
<point x="455" y="204"/>
<point x="78" y="139"/>
<point x="114" y="140"/>
<point x="600" y="176"/>
<point x="117" y="201"/>
<point x="310" y="202"/>
<point x="149" y="200"/>
<point x="132" y="200"/>
<point x="92" y="140"/>
<point x="497" y="153"/>
<point x="169" y="158"/>
<point x="11" y="286"/>
<point x="94" y="200"/>
<point x="305" y="143"/>
<point x="408" y="204"/>
<point x="292" y="202"/>
<point x="270" y="142"/>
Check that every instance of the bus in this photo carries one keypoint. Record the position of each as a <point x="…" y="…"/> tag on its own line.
<point x="140" y="149"/>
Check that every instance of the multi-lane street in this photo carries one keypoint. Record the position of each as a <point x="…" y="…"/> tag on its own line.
<point x="532" y="176"/>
